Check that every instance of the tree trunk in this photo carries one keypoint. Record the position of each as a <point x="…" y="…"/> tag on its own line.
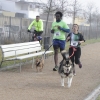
<point x="46" y="26"/>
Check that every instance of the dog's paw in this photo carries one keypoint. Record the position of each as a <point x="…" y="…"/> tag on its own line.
<point x="74" y="74"/>
<point x="69" y="86"/>
<point x="63" y="85"/>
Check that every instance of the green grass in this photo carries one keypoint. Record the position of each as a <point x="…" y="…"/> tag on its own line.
<point x="91" y="41"/>
<point x="98" y="98"/>
<point x="8" y="63"/>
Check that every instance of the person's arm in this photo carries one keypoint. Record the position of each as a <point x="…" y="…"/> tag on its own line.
<point x="80" y="42"/>
<point x="52" y="30"/>
<point x="41" y="25"/>
<point x="65" y="28"/>
<point x="32" y="24"/>
<point x="81" y="39"/>
<point x="68" y="37"/>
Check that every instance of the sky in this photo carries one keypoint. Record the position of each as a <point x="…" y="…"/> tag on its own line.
<point x="95" y="2"/>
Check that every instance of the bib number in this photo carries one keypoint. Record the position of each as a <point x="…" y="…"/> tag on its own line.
<point x="74" y="43"/>
<point x="57" y="34"/>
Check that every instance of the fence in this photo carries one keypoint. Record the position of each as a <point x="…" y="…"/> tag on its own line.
<point x="14" y="30"/>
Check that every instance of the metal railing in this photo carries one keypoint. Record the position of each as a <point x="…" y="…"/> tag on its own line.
<point x="14" y="30"/>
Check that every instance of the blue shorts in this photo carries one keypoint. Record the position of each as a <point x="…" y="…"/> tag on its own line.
<point x="59" y="44"/>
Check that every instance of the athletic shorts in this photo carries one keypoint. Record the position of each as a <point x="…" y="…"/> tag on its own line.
<point x="59" y="44"/>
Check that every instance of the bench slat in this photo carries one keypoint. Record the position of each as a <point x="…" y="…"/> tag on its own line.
<point x="21" y="47"/>
<point x="9" y="54"/>
<point x="46" y="52"/>
<point x="30" y="55"/>
<point x="19" y="44"/>
<point x="18" y="52"/>
<point x="34" y="49"/>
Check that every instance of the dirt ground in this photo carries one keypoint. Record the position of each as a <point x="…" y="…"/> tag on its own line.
<point x="29" y="85"/>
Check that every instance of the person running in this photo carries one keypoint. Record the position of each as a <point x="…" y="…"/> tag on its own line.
<point x="38" y="25"/>
<point x="75" y="39"/>
<point x="59" y="29"/>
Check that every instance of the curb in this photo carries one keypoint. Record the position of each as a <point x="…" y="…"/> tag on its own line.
<point x="94" y="94"/>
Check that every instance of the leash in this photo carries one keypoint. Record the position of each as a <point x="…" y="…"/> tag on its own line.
<point x="47" y="49"/>
<point x="74" y="49"/>
<point x="66" y="55"/>
<point x="44" y="54"/>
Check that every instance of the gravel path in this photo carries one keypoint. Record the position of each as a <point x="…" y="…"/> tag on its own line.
<point x="29" y="85"/>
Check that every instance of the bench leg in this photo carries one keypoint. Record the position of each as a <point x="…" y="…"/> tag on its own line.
<point x="52" y="56"/>
<point x="47" y="56"/>
<point x="20" y="66"/>
<point x="26" y="60"/>
<point x="14" y="63"/>
<point x="1" y="63"/>
<point x="32" y="62"/>
<point x="44" y="56"/>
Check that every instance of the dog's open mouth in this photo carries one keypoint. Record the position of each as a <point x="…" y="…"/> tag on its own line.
<point x="67" y="68"/>
<point x="66" y="72"/>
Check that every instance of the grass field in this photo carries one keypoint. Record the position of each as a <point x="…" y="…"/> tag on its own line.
<point x="98" y="98"/>
<point x="8" y="63"/>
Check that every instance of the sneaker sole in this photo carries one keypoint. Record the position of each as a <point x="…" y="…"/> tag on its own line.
<point x="54" y="69"/>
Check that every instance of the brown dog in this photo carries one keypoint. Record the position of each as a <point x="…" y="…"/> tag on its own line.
<point x="39" y="63"/>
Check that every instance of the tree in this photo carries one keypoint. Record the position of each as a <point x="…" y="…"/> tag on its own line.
<point x="48" y="12"/>
<point x="96" y="20"/>
<point x="75" y="9"/>
<point x="88" y="13"/>
<point x="62" y="5"/>
<point x="96" y="17"/>
<point x="50" y="6"/>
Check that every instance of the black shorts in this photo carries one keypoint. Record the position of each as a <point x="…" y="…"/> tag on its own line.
<point x="38" y="33"/>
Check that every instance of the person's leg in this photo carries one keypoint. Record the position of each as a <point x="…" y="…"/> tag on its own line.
<point x="56" y="48"/>
<point x="39" y="34"/>
<point x="77" y="57"/>
<point x="62" y="44"/>
<point x="34" y="35"/>
<point x="56" y="55"/>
